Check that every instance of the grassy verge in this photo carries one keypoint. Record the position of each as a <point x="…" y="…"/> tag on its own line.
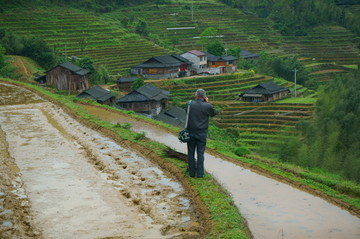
<point x="221" y="217"/>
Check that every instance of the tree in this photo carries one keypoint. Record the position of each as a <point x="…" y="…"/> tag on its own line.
<point x="138" y="82"/>
<point x="216" y="48"/>
<point x="209" y="32"/>
<point x="141" y="27"/>
<point x="2" y="57"/>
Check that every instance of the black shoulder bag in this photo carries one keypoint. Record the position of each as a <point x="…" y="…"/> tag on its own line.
<point x="184" y="135"/>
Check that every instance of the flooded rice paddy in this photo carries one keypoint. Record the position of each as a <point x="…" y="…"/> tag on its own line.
<point x="274" y="210"/>
<point x="73" y="182"/>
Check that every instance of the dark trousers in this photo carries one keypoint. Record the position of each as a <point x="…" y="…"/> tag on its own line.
<point x="197" y="143"/>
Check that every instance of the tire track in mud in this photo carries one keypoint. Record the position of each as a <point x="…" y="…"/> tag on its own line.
<point x="86" y="185"/>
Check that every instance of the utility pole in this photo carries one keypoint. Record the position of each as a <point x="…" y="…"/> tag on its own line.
<point x="295" y="71"/>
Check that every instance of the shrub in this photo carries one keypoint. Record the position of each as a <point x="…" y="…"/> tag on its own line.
<point x="242" y="150"/>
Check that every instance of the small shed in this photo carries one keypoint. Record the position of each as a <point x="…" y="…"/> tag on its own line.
<point x="247" y="55"/>
<point x="67" y="76"/>
<point x="124" y="84"/>
<point x="98" y="94"/>
<point x="268" y="91"/>
<point x="147" y="99"/>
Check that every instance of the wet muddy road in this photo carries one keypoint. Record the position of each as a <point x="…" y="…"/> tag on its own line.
<point x="274" y="210"/>
<point x="77" y="183"/>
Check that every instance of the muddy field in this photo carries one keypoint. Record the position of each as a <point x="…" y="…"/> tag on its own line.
<point x="60" y="179"/>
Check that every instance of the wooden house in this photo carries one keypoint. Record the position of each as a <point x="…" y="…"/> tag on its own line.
<point x="222" y="64"/>
<point x="163" y="67"/>
<point x="67" y="76"/>
<point x="98" y="94"/>
<point x="148" y="100"/>
<point x="268" y="91"/>
<point x="124" y="84"/>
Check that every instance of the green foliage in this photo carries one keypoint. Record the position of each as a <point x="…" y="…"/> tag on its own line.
<point x="297" y="17"/>
<point x="241" y="151"/>
<point x="124" y="126"/>
<point x="331" y="138"/>
<point x="234" y="51"/>
<point x="141" y="27"/>
<point x="138" y="82"/>
<point x="279" y="66"/>
<point x="2" y="57"/>
<point x="35" y="48"/>
<point x="216" y="48"/>
<point x="207" y="34"/>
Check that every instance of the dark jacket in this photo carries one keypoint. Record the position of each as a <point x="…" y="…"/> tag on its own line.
<point x="200" y="111"/>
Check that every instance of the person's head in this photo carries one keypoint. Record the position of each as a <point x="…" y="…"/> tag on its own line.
<point x="200" y="93"/>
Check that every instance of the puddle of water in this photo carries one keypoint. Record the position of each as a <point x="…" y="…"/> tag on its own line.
<point x="14" y="95"/>
<point x="273" y="209"/>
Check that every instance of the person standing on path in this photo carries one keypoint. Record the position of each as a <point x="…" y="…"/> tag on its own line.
<point x="198" y="123"/>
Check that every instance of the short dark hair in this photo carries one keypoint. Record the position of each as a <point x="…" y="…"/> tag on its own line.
<point x="200" y="93"/>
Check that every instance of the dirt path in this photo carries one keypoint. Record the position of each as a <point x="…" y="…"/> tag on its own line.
<point x="273" y="209"/>
<point x="72" y="182"/>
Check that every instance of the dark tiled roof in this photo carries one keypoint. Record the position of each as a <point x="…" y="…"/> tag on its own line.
<point x="126" y="80"/>
<point x="211" y="57"/>
<point x="96" y="93"/>
<point x="266" y="88"/>
<point x="182" y="59"/>
<point x="247" y="54"/>
<point x="175" y="116"/>
<point x="160" y="62"/>
<point x="74" y="68"/>
<point x="145" y="93"/>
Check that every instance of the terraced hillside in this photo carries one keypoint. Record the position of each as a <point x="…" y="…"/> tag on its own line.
<point x="76" y="33"/>
<point x="266" y="123"/>
<point x="234" y="27"/>
<point x="222" y="88"/>
<point x="331" y="45"/>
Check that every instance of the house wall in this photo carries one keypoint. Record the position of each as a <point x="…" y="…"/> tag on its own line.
<point x="62" y="79"/>
<point x="200" y="63"/>
<point x="125" y="86"/>
<point x="157" y="73"/>
<point x="151" y="108"/>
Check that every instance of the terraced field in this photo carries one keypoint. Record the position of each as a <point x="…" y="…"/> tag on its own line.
<point x="334" y="47"/>
<point x="331" y="45"/>
<point x="266" y="123"/>
<point x="222" y="88"/>
<point x="75" y="33"/>
<point x="234" y="27"/>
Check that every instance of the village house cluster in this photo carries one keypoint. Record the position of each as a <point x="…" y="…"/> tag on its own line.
<point x="193" y="62"/>
<point x="150" y="100"/>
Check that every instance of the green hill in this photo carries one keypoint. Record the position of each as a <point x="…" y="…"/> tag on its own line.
<point x="77" y="33"/>
<point x="109" y="37"/>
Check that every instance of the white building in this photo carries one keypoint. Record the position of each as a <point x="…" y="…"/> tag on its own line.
<point x="198" y="58"/>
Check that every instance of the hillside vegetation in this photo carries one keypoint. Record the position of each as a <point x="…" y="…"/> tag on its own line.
<point x="76" y="33"/>
<point x="114" y="37"/>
